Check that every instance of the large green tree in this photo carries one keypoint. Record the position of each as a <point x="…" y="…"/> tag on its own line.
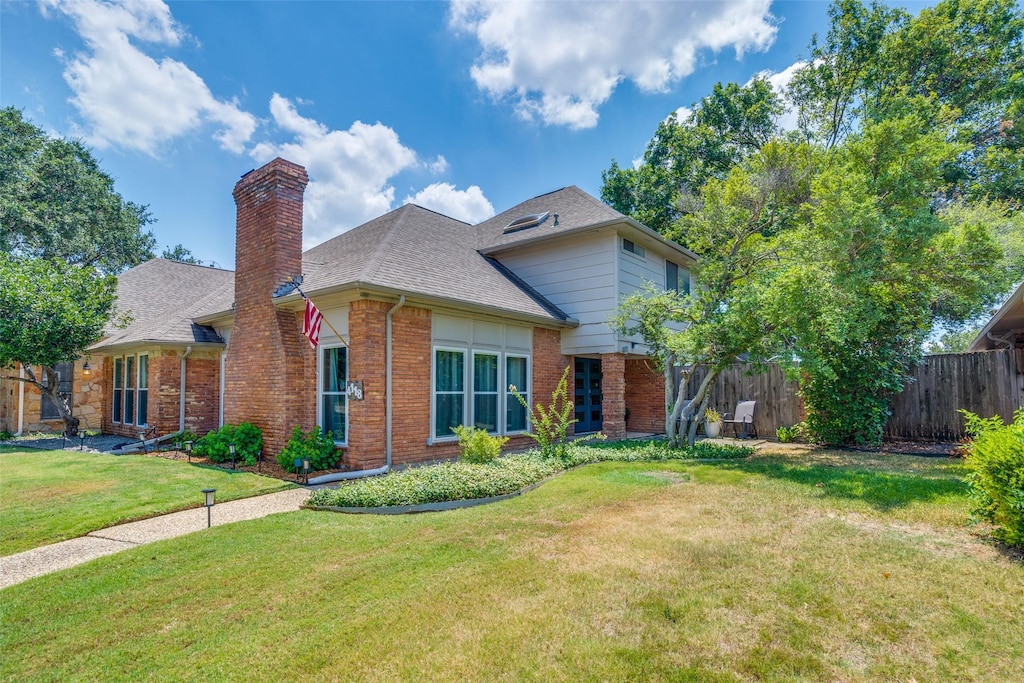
<point x="50" y="312"/>
<point x="909" y="219"/>
<point x="57" y="203"/>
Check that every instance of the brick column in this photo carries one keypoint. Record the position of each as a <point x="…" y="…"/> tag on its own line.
<point x="645" y="396"/>
<point x="367" y="325"/>
<point x="613" y="388"/>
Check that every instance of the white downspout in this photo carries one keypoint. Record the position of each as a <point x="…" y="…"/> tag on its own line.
<point x="342" y="476"/>
<point x="181" y="393"/>
<point x="220" y="410"/>
<point x="21" y="402"/>
<point x="1009" y="344"/>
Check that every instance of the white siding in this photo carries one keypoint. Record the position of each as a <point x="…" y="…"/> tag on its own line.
<point x="635" y="272"/>
<point x="577" y="274"/>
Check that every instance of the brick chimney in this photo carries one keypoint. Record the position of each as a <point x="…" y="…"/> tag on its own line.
<point x="270" y="369"/>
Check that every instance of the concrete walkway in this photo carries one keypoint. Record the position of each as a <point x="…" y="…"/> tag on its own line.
<point x="51" y="558"/>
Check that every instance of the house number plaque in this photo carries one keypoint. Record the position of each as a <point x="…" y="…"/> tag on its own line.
<point x="354" y="390"/>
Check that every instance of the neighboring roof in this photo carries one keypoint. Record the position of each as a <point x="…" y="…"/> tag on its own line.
<point x="1005" y="322"/>
<point x="569" y="210"/>
<point x="163" y="297"/>
<point x="416" y="251"/>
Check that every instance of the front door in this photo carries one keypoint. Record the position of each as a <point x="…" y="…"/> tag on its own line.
<point x="588" y="395"/>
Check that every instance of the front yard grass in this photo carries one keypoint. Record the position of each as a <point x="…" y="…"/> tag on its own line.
<point x="50" y="496"/>
<point x="786" y="566"/>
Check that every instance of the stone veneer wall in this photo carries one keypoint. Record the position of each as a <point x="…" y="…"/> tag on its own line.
<point x="86" y="400"/>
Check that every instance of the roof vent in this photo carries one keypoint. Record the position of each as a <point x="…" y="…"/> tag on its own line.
<point x="524" y="222"/>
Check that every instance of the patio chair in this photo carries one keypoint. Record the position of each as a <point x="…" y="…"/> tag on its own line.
<point x="742" y="420"/>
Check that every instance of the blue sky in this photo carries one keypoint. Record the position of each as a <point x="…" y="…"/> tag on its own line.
<point x="467" y="108"/>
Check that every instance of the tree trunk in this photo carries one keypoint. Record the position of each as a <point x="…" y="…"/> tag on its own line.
<point x="51" y="388"/>
<point x="701" y="399"/>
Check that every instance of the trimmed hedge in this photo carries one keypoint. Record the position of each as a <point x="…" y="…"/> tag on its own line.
<point x="462" y="480"/>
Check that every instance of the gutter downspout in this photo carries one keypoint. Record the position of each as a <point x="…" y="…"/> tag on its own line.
<point x="1009" y="344"/>
<point x="21" y="401"/>
<point x="181" y="393"/>
<point x="343" y="476"/>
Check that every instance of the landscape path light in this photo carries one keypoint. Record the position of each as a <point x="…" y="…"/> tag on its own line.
<point x="208" y="502"/>
<point x="81" y="437"/>
<point x="231" y="449"/>
<point x="188" y="450"/>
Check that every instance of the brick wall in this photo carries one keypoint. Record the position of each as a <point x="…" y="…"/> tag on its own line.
<point x="645" y="397"/>
<point x="367" y="320"/>
<point x="613" y="388"/>
<point x="270" y="368"/>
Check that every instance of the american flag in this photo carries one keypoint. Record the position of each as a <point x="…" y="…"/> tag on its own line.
<point x="311" y="323"/>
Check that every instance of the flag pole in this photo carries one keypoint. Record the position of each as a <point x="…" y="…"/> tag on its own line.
<point x="324" y="318"/>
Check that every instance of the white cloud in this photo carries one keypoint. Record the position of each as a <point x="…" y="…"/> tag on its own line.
<point x="469" y="205"/>
<point x="780" y="82"/>
<point x="438" y="165"/>
<point x="559" y="61"/>
<point x="349" y="169"/>
<point x="131" y="99"/>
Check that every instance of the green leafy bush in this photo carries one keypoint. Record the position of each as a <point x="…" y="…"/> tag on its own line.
<point x="790" y="434"/>
<point x="550" y="426"/>
<point x="995" y="462"/>
<point x="317" y="446"/>
<point x="183" y="436"/>
<point x="247" y="437"/>
<point x="477" y="446"/>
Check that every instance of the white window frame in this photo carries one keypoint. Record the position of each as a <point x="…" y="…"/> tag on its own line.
<point x="638" y="251"/>
<point x="117" y="417"/>
<point x="674" y="287"/>
<point x="499" y="403"/>
<point x="466" y="391"/>
<point x="320" y="389"/>
<point x="509" y="397"/>
<point x="468" y="404"/>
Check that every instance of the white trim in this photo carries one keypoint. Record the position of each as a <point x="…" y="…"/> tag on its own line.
<point x="526" y="394"/>
<point x="465" y="351"/>
<point x="320" y="387"/>
<point x="499" y="401"/>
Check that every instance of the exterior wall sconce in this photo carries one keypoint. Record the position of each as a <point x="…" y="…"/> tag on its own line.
<point x="208" y="502"/>
<point x="86" y="370"/>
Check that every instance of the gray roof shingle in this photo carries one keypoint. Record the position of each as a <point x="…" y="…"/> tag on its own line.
<point x="163" y="297"/>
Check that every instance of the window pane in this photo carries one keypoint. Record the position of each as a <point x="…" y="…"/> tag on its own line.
<point x="450" y="369"/>
<point x="485" y="372"/>
<point x="129" y="372"/>
<point x="118" y="388"/>
<point x="485" y="412"/>
<point x="118" y="373"/>
<point x="129" y="406"/>
<point x="684" y="281"/>
<point x="143" y="406"/>
<point x="671" y="277"/>
<point x="335" y="371"/>
<point x="143" y="372"/>
<point x="515" y="370"/>
<point x="515" y="414"/>
<point x="447" y="414"/>
<point x="334" y="407"/>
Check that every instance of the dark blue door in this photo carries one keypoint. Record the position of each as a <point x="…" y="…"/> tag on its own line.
<point x="587" y="398"/>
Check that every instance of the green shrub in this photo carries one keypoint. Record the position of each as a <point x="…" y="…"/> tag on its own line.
<point x="550" y="426"/>
<point x="790" y="434"/>
<point x="477" y="446"/>
<point x="995" y="462"/>
<point x="317" y="446"/>
<point x="465" y="480"/>
<point x="247" y="437"/>
<point x="6" y="435"/>
<point x="183" y="436"/>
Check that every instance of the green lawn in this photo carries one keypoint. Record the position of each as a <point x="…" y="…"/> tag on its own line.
<point x="802" y="566"/>
<point x="50" y="496"/>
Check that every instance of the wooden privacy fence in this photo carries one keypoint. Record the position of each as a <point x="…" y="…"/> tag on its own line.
<point x="985" y="382"/>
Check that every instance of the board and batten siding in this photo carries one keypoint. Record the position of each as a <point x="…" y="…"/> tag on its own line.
<point x="577" y="274"/>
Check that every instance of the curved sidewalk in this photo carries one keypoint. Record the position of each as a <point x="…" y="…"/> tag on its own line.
<point x="51" y="558"/>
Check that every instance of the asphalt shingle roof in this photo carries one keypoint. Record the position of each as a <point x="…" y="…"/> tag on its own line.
<point x="417" y="251"/>
<point x="164" y="296"/>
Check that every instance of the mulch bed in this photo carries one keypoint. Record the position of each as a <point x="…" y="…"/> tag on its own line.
<point x="943" y="449"/>
<point x="268" y="468"/>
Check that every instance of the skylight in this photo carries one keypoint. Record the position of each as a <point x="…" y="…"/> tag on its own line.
<point x="524" y="222"/>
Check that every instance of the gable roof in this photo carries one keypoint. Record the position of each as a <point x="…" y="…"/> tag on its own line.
<point x="569" y="210"/>
<point x="163" y="297"/>
<point x="1007" y="321"/>
<point x="416" y="251"/>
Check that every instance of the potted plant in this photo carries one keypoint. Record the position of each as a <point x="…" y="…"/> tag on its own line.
<point x="712" y="423"/>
